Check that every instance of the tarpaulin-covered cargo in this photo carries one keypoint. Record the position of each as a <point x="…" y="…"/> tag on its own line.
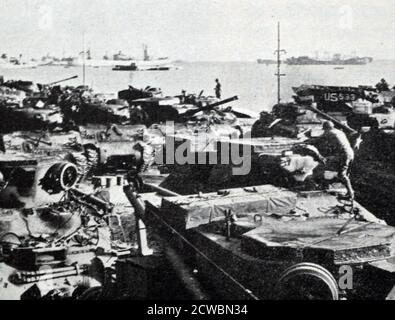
<point x="318" y="240"/>
<point x="188" y="212"/>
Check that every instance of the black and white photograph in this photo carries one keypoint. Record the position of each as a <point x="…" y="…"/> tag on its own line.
<point x="213" y="152"/>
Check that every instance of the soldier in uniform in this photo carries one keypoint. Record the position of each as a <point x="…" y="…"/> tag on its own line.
<point x="217" y="89"/>
<point x="340" y="154"/>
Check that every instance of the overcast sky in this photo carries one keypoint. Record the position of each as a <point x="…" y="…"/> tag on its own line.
<point x="198" y="29"/>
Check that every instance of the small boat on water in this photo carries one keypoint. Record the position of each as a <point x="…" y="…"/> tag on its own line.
<point x="151" y="66"/>
<point x="131" y="67"/>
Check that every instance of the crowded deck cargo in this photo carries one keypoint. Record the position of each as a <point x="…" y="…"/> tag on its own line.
<point x="209" y="178"/>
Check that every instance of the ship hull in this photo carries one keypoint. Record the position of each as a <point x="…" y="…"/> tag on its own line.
<point x="333" y="62"/>
<point x="140" y="64"/>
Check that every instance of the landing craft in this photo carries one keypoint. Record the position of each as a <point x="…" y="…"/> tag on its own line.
<point x="361" y="106"/>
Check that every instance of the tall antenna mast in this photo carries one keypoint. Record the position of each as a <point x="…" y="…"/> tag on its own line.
<point x="83" y="58"/>
<point x="279" y="51"/>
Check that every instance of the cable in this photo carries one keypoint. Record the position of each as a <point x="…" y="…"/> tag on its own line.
<point x="207" y="258"/>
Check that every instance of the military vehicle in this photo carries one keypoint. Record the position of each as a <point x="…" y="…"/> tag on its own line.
<point x="49" y="227"/>
<point x="116" y="148"/>
<point x="93" y="149"/>
<point x="179" y="109"/>
<point x="29" y="106"/>
<point x="132" y="93"/>
<point x="362" y="106"/>
<point x="26" y="86"/>
<point x="55" y="214"/>
<point x="279" y="232"/>
<point x="83" y="113"/>
<point x="372" y="170"/>
<point x="11" y="96"/>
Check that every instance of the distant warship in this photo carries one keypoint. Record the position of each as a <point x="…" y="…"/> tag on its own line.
<point x="336" y="60"/>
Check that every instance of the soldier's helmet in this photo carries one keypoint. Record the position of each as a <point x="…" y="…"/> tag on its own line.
<point x="328" y="125"/>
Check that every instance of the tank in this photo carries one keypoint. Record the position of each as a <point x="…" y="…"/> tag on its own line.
<point x="92" y="149"/>
<point x="29" y="106"/>
<point x="279" y="232"/>
<point x="370" y="132"/>
<point x="49" y="226"/>
<point x="32" y="182"/>
<point x="186" y="108"/>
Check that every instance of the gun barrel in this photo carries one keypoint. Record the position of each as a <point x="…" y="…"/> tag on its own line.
<point x="63" y="80"/>
<point x="336" y="122"/>
<point x="219" y="103"/>
<point x="210" y="106"/>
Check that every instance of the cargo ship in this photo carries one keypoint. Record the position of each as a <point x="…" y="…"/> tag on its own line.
<point x="121" y="62"/>
<point x="336" y="60"/>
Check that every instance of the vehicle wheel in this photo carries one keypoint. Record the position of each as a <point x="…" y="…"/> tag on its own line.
<point x="306" y="281"/>
<point x="61" y="176"/>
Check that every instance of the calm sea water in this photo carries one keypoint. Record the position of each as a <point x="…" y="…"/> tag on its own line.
<point x="255" y="84"/>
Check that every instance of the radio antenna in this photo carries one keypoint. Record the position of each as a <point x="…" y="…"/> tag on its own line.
<point x="278" y="52"/>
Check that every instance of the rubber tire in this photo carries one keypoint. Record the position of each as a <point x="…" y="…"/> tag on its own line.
<point x="306" y="269"/>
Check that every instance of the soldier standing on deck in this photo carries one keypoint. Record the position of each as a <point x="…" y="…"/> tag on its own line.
<point x="341" y="154"/>
<point x="217" y="89"/>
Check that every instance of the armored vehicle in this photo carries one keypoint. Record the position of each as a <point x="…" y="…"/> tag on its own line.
<point x="362" y="106"/>
<point x="279" y="232"/>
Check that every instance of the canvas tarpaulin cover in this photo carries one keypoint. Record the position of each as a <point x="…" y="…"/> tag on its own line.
<point x="195" y="210"/>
